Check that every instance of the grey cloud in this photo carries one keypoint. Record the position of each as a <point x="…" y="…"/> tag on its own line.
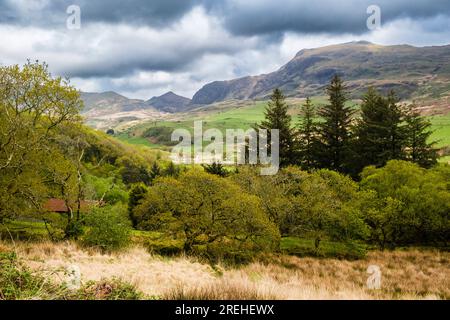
<point x="234" y="31"/>
<point x="53" y="13"/>
<point x="326" y="16"/>
<point x="241" y="17"/>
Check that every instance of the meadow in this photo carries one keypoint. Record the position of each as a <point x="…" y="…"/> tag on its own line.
<point x="243" y="115"/>
<point x="406" y="274"/>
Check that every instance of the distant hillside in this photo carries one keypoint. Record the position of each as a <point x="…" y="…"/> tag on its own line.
<point x="410" y="71"/>
<point x="109" y="102"/>
<point x="169" y="102"/>
<point x="105" y="103"/>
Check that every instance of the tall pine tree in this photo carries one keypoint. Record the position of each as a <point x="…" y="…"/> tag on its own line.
<point x="379" y="136"/>
<point x="418" y="132"/>
<point x="277" y="117"/>
<point x="307" y="136"/>
<point x="396" y="117"/>
<point x="334" y="130"/>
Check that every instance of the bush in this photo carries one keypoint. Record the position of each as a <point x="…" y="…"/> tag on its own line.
<point x="114" y="289"/>
<point x="158" y="242"/>
<point x="328" y="249"/>
<point x="213" y="215"/>
<point x="107" y="228"/>
<point x="321" y="205"/>
<point x="409" y="205"/>
<point x="110" y="189"/>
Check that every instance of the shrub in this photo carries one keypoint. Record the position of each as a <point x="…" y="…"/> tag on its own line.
<point x="111" y="190"/>
<point x="18" y="283"/>
<point x="328" y="249"/>
<point x="409" y="204"/>
<point x="213" y="215"/>
<point x="114" y="289"/>
<point x="137" y="193"/>
<point x="320" y="205"/>
<point x="107" y="228"/>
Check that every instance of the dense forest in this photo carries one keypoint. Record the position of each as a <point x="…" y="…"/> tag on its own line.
<point x="357" y="178"/>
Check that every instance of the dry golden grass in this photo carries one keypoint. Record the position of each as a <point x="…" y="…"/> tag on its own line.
<point x="408" y="274"/>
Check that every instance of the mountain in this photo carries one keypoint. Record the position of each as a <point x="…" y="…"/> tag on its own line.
<point x="169" y="102"/>
<point x="109" y="102"/>
<point x="410" y="71"/>
<point x="104" y="103"/>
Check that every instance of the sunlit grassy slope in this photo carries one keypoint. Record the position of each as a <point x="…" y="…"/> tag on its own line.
<point x="441" y="127"/>
<point x="244" y="115"/>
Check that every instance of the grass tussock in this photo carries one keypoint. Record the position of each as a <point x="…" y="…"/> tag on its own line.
<point x="408" y="274"/>
<point x="19" y="282"/>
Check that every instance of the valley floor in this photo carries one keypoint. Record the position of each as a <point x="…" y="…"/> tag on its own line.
<point x="409" y="274"/>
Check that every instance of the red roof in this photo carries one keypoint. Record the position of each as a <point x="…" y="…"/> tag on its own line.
<point x="59" y="205"/>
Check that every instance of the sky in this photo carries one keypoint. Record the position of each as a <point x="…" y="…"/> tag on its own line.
<point x="144" y="48"/>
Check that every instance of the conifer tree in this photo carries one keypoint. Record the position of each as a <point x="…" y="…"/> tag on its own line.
<point x="155" y="171"/>
<point x="307" y="136"/>
<point x="334" y="130"/>
<point x="137" y="193"/>
<point x="418" y="132"/>
<point x="372" y="143"/>
<point x="216" y="168"/>
<point x="277" y="117"/>
<point x="396" y="117"/>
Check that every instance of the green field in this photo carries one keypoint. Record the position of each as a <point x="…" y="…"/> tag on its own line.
<point x="137" y="140"/>
<point x="244" y="116"/>
<point x="441" y="128"/>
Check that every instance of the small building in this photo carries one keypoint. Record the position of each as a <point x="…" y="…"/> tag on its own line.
<point x="59" y="205"/>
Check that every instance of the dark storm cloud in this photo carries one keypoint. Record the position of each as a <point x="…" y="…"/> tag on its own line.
<point x="51" y="13"/>
<point x="155" y="43"/>
<point x="242" y="17"/>
<point x="145" y="12"/>
<point x="326" y="16"/>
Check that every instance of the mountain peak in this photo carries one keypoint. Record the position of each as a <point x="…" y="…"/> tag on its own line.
<point x="400" y="68"/>
<point x="360" y="42"/>
<point x="169" y="102"/>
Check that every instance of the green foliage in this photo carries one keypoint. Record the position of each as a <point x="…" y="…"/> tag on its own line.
<point x="33" y="105"/>
<point x="418" y="132"/>
<point x="172" y="170"/>
<point x="307" y="136"/>
<point x="213" y="215"/>
<point x="277" y="205"/>
<point x="111" y="190"/>
<point x="379" y="132"/>
<point x="319" y="205"/>
<point x="216" y="168"/>
<point x="133" y="172"/>
<point x="24" y="230"/>
<point x="328" y="249"/>
<point x="277" y="117"/>
<point x="107" y="228"/>
<point x="155" y="171"/>
<point x="137" y="193"/>
<point x="162" y="243"/>
<point x="112" y="289"/>
<point x="334" y="129"/>
<point x="325" y="205"/>
<point x="73" y="229"/>
<point x="17" y="282"/>
<point x="407" y="204"/>
<point x="160" y="135"/>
